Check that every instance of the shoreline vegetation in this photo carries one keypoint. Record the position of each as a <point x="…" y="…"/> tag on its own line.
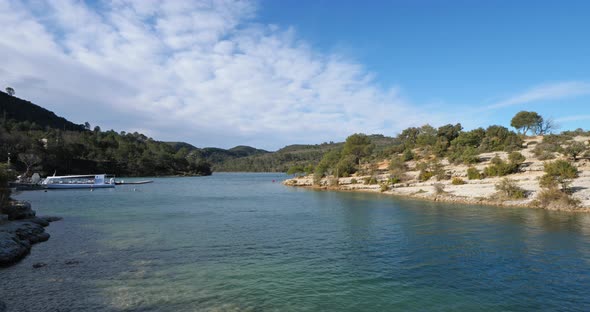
<point x="493" y="166"/>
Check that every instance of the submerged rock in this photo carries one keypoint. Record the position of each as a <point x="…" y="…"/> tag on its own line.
<point x="39" y="265"/>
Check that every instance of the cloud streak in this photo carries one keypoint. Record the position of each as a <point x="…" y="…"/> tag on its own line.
<point x="200" y="71"/>
<point x="546" y="92"/>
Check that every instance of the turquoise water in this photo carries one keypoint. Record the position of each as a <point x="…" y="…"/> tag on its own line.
<point x="239" y="242"/>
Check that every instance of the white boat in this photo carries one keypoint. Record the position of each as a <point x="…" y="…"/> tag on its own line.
<point x="91" y="181"/>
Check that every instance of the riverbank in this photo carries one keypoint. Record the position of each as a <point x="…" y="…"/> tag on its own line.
<point x="20" y="228"/>
<point x="476" y="191"/>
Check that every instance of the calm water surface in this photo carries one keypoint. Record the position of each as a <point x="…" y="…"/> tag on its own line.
<point x="239" y="242"/>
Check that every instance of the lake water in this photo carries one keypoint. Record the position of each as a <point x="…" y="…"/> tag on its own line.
<point x="239" y="242"/>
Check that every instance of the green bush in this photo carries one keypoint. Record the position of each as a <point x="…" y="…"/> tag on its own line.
<point x="425" y="175"/>
<point x="457" y="181"/>
<point x="516" y="158"/>
<point x="346" y="166"/>
<point x="559" y="172"/>
<point x="394" y="180"/>
<point x="553" y="198"/>
<point x="397" y="164"/>
<point x="353" y="181"/>
<point x="384" y="187"/>
<point x="500" y="168"/>
<point x="509" y="189"/>
<point x="408" y="155"/>
<point x="470" y="155"/>
<point x="575" y="149"/>
<point x="546" y="155"/>
<point x="544" y="149"/>
<point x="371" y="180"/>
<point x="473" y="174"/>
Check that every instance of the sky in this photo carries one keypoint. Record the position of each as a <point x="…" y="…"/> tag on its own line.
<point x="271" y="73"/>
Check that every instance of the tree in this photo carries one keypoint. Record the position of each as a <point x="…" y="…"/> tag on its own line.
<point x="408" y="137"/>
<point x="29" y="160"/>
<point x="450" y="132"/>
<point x="10" y="91"/>
<point x="358" y="145"/>
<point x="527" y="121"/>
<point x="87" y="125"/>
<point x="427" y="136"/>
<point x="547" y="126"/>
<point x="296" y="169"/>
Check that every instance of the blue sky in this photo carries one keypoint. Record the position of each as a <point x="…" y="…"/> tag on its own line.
<point x="271" y="73"/>
<point x="456" y="53"/>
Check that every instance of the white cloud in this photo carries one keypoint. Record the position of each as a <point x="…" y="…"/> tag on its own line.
<point x="199" y="71"/>
<point x="573" y="118"/>
<point x="546" y="92"/>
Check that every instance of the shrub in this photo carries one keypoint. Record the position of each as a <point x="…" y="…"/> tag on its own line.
<point x="353" y="181"/>
<point x="397" y="163"/>
<point x="543" y="150"/>
<point x="500" y="168"/>
<point x="384" y="187"/>
<point x="457" y="181"/>
<point x="394" y="180"/>
<point x="553" y="198"/>
<point x="408" y="155"/>
<point x="346" y="166"/>
<point x="439" y="188"/>
<point x="371" y="180"/>
<point x="546" y="155"/>
<point x="559" y="172"/>
<point x="425" y="175"/>
<point x="470" y="155"/>
<point x="575" y="149"/>
<point x="317" y="178"/>
<point x="516" y="158"/>
<point x="509" y="189"/>
<point x="473" y="174"/>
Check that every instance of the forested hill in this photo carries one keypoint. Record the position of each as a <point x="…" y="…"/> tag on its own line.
<point x="19" y="110"/>
<point x="41" y="141"/>
<point x="38" y="140"/>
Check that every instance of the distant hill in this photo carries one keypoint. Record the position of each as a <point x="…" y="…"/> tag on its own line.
<point x="178" y="145"/>
<point x="291" y="155"/>
<point x="19" y="110"/>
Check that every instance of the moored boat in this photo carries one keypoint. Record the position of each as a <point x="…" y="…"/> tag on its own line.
<point x="91" y="181"/>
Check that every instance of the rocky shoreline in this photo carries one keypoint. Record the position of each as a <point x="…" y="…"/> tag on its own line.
<point x="468" y="191"/>
<point x="20" y="228"/>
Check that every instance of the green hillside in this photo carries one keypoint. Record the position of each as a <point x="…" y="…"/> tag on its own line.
<point x="33" y="116"/>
